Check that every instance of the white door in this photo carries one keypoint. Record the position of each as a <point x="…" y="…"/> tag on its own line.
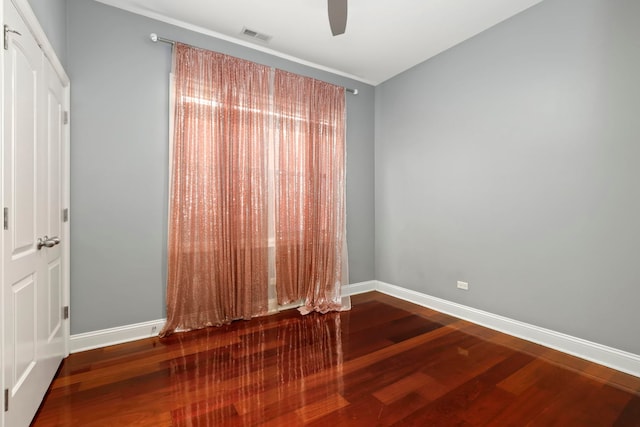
<point x="32" y="279"/>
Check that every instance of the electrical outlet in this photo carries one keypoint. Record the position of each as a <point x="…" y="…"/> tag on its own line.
<point x="154" y="330"/>
<point x="463" y="285"/>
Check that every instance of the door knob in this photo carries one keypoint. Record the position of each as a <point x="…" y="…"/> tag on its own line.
<point x="48" y="242"/>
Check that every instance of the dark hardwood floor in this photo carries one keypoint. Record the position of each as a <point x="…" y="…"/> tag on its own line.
<point x="386" y="362"/>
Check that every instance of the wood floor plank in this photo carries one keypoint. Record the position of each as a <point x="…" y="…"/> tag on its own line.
<point x="386" y="362"/>
<point x="319" y="408"/>
<point x="403" y="387"/>
<point x="524" y="378"/>
<point x="630" y="415"/>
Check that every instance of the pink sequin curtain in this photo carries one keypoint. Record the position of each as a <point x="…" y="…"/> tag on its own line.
<point x="310" y="191"/>
<point x="228" y="113"/>
<point x="217" y="255"/>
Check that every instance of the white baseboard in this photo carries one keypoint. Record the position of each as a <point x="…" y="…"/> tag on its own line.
<point x="112" y="336"/>
<point x="594" y="352"/>
<point x="359" y="288"/>
<point x="122" y="334"/>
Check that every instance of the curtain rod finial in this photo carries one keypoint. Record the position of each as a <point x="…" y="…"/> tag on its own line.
<point x="153" y="37"/>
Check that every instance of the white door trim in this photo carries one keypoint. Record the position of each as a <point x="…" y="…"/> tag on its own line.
<point x="24" y="9"/>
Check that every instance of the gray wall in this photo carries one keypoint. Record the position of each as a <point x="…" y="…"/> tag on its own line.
<point x="119" y="131"/>
<point x="511" y="162"/>
<point x="52" y="15"/>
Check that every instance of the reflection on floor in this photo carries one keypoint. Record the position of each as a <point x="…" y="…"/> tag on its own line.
<point x="386" y="362"/>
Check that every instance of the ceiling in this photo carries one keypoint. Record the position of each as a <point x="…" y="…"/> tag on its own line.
<point x="383" y="37"/>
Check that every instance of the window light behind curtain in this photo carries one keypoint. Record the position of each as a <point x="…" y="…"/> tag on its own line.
<point x="256" y="193"/>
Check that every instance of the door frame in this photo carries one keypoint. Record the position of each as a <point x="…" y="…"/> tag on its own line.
<point x="30" y="19"/>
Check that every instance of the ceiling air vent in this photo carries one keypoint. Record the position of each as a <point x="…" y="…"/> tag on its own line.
<point x="254" y="35"/>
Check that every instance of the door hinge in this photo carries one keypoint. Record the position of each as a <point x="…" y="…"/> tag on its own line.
<point x="6" y="400"/>
<point x="8" y="30"/>
<point x="65" y="117"/>
<point x="65" y="215"/>
<point x="6" y="218"/>
<point x="65" y="312"/>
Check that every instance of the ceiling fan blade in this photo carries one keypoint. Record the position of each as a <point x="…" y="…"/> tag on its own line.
<point x="337" y="16"/>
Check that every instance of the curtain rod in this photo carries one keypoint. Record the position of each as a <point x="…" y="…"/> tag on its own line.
<point x="155" y="38"/>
